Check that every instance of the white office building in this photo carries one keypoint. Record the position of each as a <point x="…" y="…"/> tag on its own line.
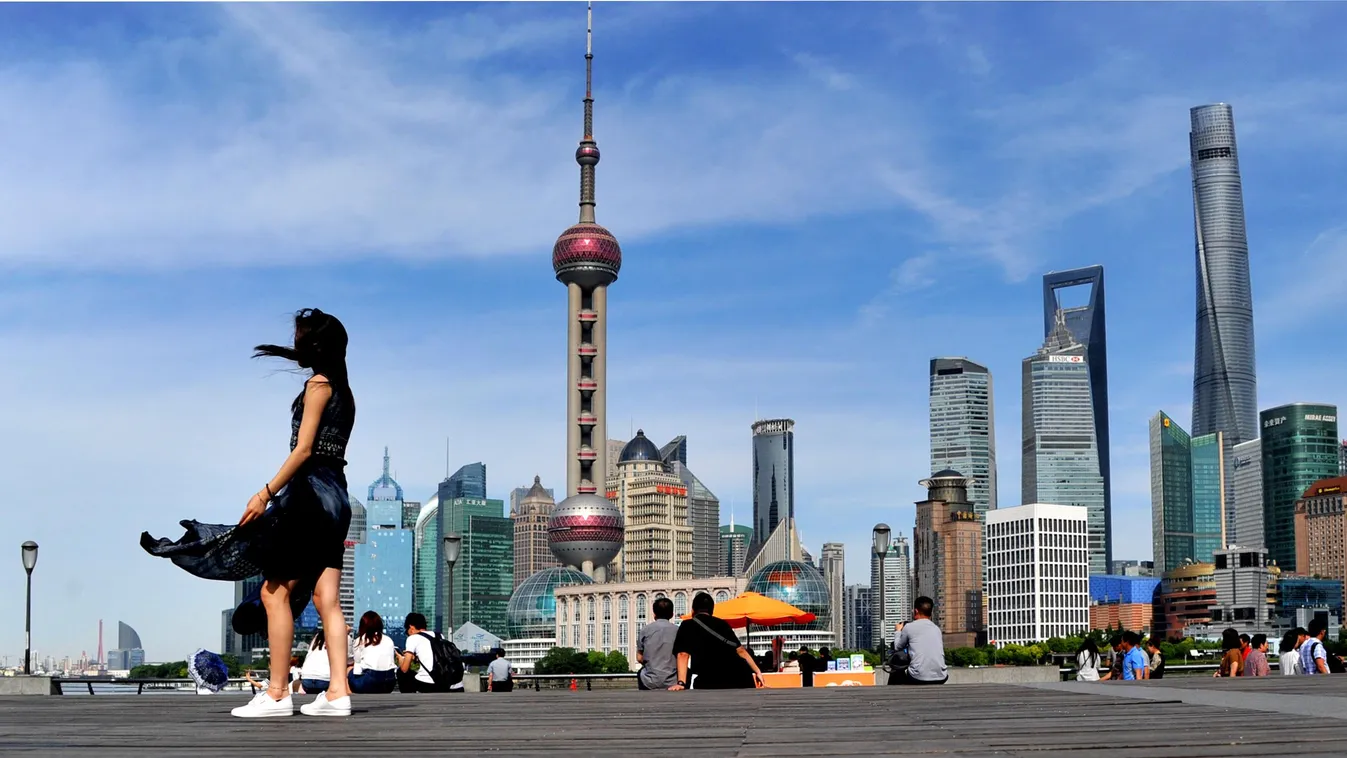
<point x="1247" y="487"/>
<point x="897" y="586"/>
<point x="1038" y="573"/>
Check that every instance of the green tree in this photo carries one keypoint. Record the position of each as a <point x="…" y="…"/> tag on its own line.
<point x="567" y="660"/>
<point x="616" y="663"/>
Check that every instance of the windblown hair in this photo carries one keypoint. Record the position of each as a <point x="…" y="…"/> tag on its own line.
<point x="319" y="346"/>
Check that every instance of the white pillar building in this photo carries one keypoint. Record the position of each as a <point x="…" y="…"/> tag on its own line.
<point x="1038" y="573"/>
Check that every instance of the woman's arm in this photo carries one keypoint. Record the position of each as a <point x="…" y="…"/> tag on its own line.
<point x="317" y="391"/>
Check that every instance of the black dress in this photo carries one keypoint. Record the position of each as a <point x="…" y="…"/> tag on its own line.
<point x="301" y="533"/>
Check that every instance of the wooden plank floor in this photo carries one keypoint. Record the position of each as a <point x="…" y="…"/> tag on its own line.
<point x="965" y="721"/>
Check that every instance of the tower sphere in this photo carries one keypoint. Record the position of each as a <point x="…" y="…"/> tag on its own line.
<point x="587" y="154"/>
<point x="585" y="528"/>
<point x="588" y="255"/>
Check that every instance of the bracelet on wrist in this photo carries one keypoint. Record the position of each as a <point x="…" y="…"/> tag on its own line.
<point x="270" y="495"/>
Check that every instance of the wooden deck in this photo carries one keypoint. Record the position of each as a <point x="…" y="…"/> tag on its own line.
<point x="1190" y="717"/>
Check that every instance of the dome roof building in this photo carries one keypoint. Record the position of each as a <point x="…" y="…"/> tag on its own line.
<point x="532" y="612"/>
<point x="799" y="584"/>
<point x="639" y="449"/>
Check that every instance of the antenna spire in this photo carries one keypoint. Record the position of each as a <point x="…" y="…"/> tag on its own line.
<point x="385" y="462"/>
<point x="588" y="153"/>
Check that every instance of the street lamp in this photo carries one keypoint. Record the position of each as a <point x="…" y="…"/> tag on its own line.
<point x="29" y="550"/>
<point x="881" y="546"/>
<point x="453" y="544"/>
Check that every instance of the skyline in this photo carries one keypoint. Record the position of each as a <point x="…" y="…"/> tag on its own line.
<point x="1033" y="139"/>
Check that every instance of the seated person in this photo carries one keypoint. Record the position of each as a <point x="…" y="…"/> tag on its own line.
<point x="373" y="669"/>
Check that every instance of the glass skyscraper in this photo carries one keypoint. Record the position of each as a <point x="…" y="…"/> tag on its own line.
<point x="468" y="481"/>
<point x="963" y="433"/>
<point x="1300" y="447"/>
<point x="1087" y="324"/>
<point x="1246" y="485"/>
<point x="1225" y="390"/>
<point x="426" y="565"/>
<point x="1188" y="485"/>
<point x="1060" y="455"/>
<point x="773" y="478"/>
<point x="384" y="561"/>
<point x="484" y="573"/>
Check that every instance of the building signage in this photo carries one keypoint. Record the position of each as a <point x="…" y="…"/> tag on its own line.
<point x="1242" y="462"/>
<point x="1066" y="359"/>
<point x="1274" y="422"/>
<point x="776" y="426"/>
<point x="1328" y="490"/>
<point x="1321" y="417"/>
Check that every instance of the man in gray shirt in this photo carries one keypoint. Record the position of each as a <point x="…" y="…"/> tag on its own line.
<point x="498" y="677"/>
<point x="922" y="640"/>
<point x="654" y="649"/>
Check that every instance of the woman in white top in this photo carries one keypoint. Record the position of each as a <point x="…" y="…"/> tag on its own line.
<point x="1087" y="661"/>
<point x="316" y="673"/>
<point x="1289" y="652"/>
<point x="373" y="670"/>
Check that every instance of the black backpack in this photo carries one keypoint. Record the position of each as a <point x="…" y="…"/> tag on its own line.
<point x="448" y="661"/>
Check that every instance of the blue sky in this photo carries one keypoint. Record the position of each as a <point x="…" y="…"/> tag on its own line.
<point x="813" y="200"/>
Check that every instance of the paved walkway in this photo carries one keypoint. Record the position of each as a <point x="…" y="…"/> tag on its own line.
<point x="1187" y="718"/>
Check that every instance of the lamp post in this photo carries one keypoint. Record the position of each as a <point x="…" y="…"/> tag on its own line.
<point x="453" y="544"/>
<point x="29" y="550"/>
<point x="881" y="546"/>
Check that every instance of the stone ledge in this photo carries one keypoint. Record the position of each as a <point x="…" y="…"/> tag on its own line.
<point x="28" y="685"/>
<point x="992" y="675"/>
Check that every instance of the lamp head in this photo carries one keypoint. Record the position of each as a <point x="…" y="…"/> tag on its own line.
<point x="453" y="544"/>
<point x="29" y="555"/>
<point x="881" y="539"/>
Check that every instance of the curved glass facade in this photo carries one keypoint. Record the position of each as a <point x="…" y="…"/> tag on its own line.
<point x="532" y="611"/>
<point x="1300" y="447"/>
<point x="799" y="584"/>
<point x="1225" y="392"/>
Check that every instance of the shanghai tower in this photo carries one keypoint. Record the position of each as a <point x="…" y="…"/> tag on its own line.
<point x="1225" y="393"/>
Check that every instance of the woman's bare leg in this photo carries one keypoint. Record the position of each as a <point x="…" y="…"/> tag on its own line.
<point x="328" y="604"/>
<point x="280" y="634"/>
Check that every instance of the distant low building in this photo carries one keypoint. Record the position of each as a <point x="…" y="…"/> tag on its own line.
<point x="1123" y="602"/>
<point x="1187" y="595"/>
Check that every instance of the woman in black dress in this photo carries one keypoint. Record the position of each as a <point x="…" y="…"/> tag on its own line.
<point x="293" y="529"/>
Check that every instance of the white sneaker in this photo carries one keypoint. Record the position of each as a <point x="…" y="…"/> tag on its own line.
<point x="264" y="706"/>
<point x="324" y="707"/>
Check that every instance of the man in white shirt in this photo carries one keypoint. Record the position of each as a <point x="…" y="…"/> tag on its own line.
<point x="419" y="651"/>
<point x="498" y="678"/>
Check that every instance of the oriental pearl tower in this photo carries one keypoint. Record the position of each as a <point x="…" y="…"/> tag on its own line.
<point x="585" y="530"/>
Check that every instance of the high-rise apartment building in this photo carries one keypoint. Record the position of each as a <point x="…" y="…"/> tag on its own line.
<point x="703" y="510"/>
<point x="963" y="429"/>
<point x="1038" y="583"/>
<point x="426" y="565"/>
<point x="834" y="559"/>
<point x="1300" y="447"/>
<point x="355" y="535"/>
<point x="1225" y="396"/>
<point x="384" y="561"/>
<point x="773" y="478"/>
<point x="1188" y="486"/>
<point x="856" y="622"/>
<point x="1246" y="486"/>
<point x="654" y="505"/>
<point x="530" y="514"/>
<point x="734" y="542"/>
<point x="947" y="558"/>
<point x="1060" y="453"/>
<point x="897" y="588"/>
<point x="1088" y="326"/>
<point x="1321" y="530"/>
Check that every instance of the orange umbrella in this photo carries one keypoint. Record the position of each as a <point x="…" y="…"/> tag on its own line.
<point x="754" y="608"/>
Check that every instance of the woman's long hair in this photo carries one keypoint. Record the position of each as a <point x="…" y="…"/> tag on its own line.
<point x="1230" y="640"/>
<point x="319" y="345"/>
<point x="1289" y="641"/>
<point x="371" y="630"/>
<point x="319" y="641"/>
<point x="1088" y="646"/>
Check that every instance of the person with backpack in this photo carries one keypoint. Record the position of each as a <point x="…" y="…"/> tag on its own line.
<point x="441" y="664"/>
<point x="1313" y="654"/>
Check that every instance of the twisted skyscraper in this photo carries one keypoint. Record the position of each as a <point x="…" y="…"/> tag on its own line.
<point x="1225" y="396"/>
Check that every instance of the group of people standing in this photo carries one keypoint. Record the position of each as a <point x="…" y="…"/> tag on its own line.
<point x="1301" y="651"/>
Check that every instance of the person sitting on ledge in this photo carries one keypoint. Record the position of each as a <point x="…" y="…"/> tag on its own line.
<point x="924" y="643"/>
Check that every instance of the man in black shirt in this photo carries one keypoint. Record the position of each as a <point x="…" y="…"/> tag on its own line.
<point x="808" y="665"/>
<point x="708" y="648"/>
